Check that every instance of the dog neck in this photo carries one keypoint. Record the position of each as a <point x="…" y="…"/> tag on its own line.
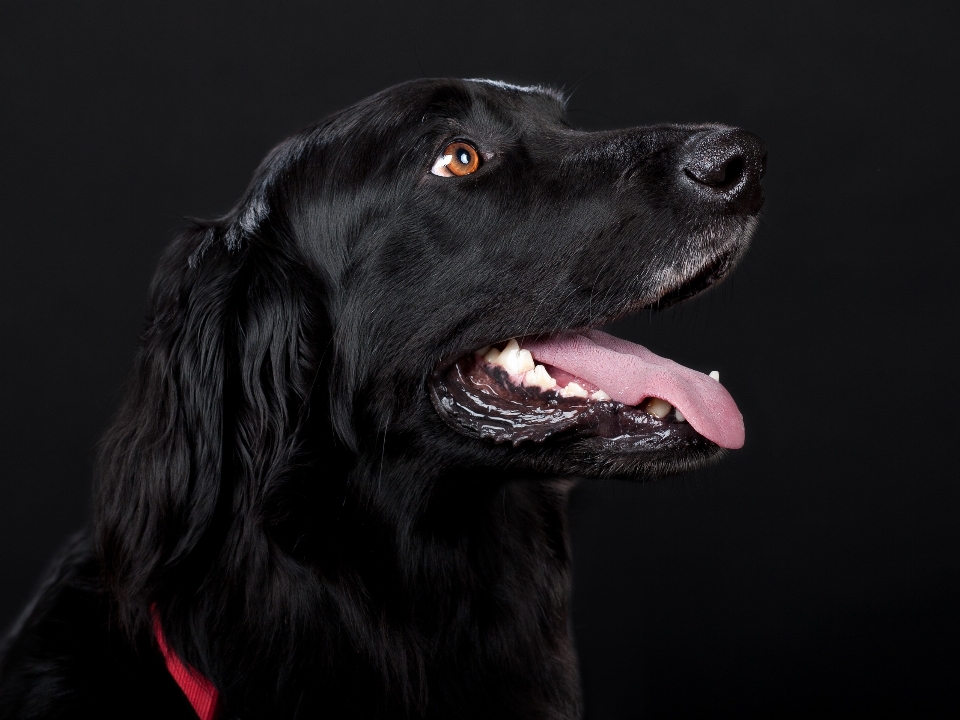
<point x="430" y="600"/>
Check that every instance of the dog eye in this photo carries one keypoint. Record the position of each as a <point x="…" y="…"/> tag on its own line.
<point x="457" y="159"/>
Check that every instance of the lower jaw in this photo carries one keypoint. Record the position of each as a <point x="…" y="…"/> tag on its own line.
<point x="477" y="400"/>
<point x="599" y="458"/>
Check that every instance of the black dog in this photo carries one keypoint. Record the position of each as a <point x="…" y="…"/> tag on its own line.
<point x="334" y="488"/>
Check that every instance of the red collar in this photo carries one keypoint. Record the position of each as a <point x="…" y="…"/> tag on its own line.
<point x="199" y="690"/>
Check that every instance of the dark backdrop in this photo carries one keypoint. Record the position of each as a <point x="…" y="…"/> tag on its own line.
<point x="818" y="567"/>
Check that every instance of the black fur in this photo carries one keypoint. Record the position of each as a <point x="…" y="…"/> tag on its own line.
<point x="316" y="540"/>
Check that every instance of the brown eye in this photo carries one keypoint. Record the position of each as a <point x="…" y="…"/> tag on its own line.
<point x="457" y="159"/>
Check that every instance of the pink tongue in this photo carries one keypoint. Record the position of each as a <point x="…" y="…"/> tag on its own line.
<point x="629" y="373"/>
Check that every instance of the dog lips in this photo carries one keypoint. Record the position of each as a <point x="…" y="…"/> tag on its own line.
<point x="630" y="373"/>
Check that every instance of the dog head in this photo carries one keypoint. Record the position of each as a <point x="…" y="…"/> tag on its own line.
<point x="355" y="311"/>
<point x="446" y="218"/>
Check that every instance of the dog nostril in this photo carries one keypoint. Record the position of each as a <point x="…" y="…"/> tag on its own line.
<point x="717" y="167"/>
<point x="730" y="162"/>
<point x="727" y="173"/>
<point x="734" y="170"/>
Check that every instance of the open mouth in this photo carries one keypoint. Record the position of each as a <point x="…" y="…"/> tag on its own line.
<point x="589" y="384"/>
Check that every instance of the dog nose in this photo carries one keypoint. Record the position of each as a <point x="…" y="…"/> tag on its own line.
<point x="728" y="163"/>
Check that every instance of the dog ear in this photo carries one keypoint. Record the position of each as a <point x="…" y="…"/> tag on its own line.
<point x="161" y="461"/>
<point x="211" y="415"/>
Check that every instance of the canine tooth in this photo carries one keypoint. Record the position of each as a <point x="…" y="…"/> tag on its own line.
<point x="599" y="395"/>
<point x="659" y="408"/>
<point x="525" y="361"/>
<point x="573" y="390"/>
<point x="540" y="378"/>
<point x="715" y="374"/>
<point x="509" y="358"/>
<point x="482" y="351"/>
<point x="492" y="356"/>
<point x="680" y="417"/>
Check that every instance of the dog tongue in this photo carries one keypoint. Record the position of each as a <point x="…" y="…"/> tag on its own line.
<point x="629" y="373"/>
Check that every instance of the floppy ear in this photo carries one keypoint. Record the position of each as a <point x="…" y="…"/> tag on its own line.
<point x="210" y="417"/>
<point x="161" y="461"/>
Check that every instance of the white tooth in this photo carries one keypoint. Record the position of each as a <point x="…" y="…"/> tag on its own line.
<point x="547" y="382"/>
<point x="492" y="356"/>
<point x="525" y="361"/>
<point x="573" y="390"/>
<point x="599" y="395"/>
<point x="483" y="350"/>
<point x="680" y="417"/>
<point x="659" y="408"/>
<point x="540" y="378"/>
<point x="509" y="358"/>
<point x="715" y="374"/>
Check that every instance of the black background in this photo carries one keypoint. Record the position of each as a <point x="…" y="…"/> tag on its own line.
<point x="816" y="568"/>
